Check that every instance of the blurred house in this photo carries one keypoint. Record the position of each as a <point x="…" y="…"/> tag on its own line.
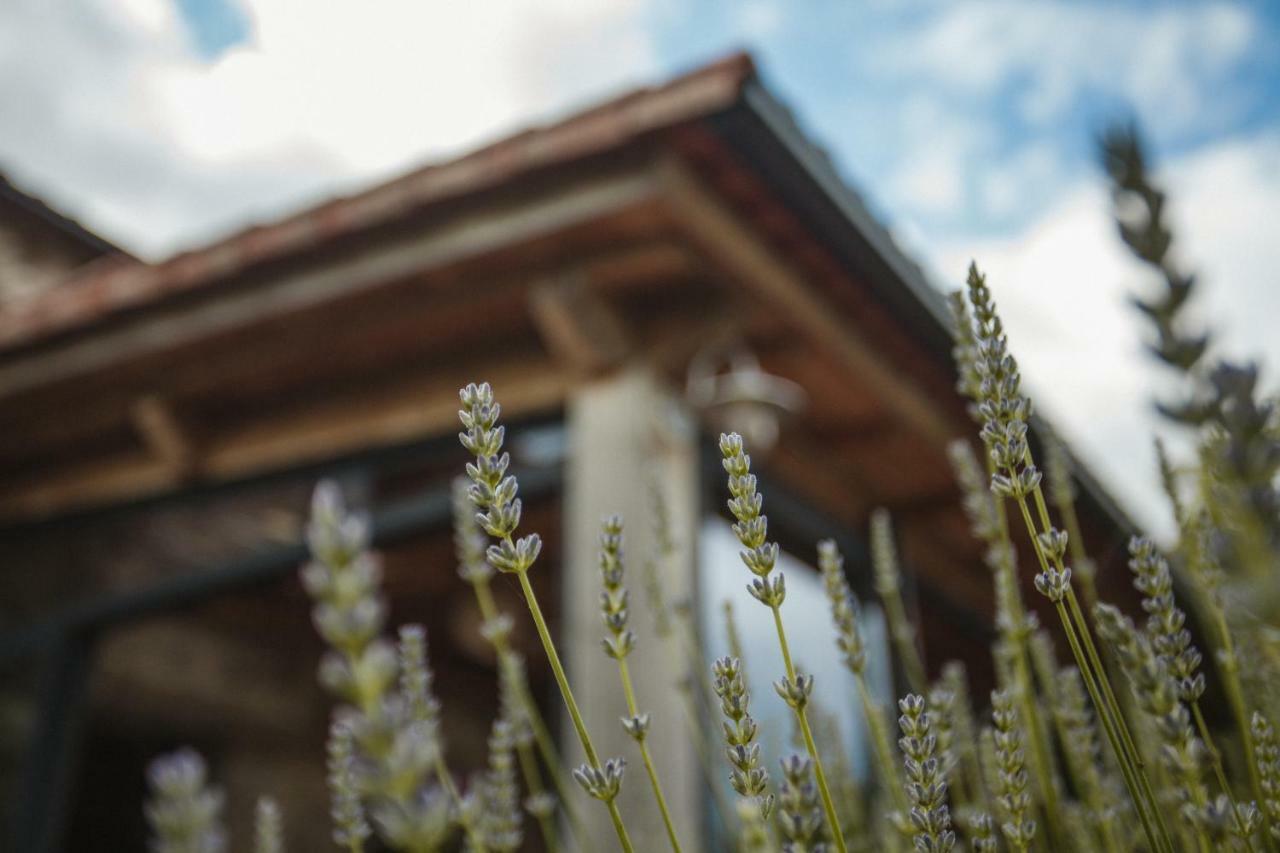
<point x="631" y="280"/>
<point x="39" y="247"/>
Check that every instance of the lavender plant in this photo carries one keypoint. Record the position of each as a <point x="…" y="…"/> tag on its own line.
<point x="618" y="645"/>
<point x="1011" y="775"/>
<point x="493" y="492"/>
<point x="1038" y="778"/>
<point x="749" y="779"/>
<point x="769" y="588"/>
<point x="526" y="718"/>
<point x="268" y="833"/>
<point x="397" y="762"/>
<point x="926" y="782"/>
<point x="386" y="763"/>
<point x="184" y="811"/>
<point x="799" y="817"/>
<point x="350" y="827"/>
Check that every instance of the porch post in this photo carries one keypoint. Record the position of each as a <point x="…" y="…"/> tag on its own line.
<point x="627" y="433"/>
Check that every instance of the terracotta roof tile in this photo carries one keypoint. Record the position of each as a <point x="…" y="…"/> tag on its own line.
<point x="111" y="285"/>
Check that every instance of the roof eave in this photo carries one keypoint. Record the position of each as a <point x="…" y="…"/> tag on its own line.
<point x="763" y="131"/>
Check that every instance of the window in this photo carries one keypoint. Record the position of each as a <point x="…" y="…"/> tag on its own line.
<point x="810" y="636"/>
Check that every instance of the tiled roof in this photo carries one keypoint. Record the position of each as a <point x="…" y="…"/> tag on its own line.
<point x="115" y="284"/>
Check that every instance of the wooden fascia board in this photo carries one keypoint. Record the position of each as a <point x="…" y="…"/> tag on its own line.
<point x="469" y="236"/>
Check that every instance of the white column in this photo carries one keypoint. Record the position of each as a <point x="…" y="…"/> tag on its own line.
<point x="626" y="432"/>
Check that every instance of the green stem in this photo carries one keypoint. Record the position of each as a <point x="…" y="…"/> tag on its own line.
<point x="1039" y="748"/>
<point x="1127" y="772"/>
<point x="828" y="805"/>
<point x="1235" y="696"/>
<point x="474" y="839"/>
<point x="541" y="735"/>
<point x="633" y="710"/>
<point x="1100" y="691"/>
<point x="1016" y="635"/>
<point x="551" y="758"/>
<point x="533" y="782"/>
<point x="904" y="640"/>
<point x="1077" y="616"/>
<point x="699" y="735"/>
<point x="883" y="748"/>
<point x="1075" y="542"/>
<point x="1084" y="776"/>
<point x="1086" y="634"/>
<point x="1122" y="725"/>
<point x="618" y="827"/>
<point x="566" y="692"/>
<point x="1215" y="760"/>
<point x="1082" y="626"/>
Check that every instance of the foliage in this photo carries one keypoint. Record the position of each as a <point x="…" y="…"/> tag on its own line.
<point x="1110" y="752"/>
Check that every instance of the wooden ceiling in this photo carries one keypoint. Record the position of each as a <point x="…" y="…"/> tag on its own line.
<point x="536" y="288"/>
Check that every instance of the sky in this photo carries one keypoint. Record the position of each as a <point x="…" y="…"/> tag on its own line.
<point x="969" y="127"/>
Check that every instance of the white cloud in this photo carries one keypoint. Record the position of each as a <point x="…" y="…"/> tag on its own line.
<point x="931" y="182"/>
<point x="1169" y="62"/>
<point x="1011" y="185"/>
<point x="1226" y="203"/>
<point x="114" y="117"/>
<point x="1063" y="285"/>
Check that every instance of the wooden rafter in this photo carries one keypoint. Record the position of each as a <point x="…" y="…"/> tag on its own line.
<point x="164" y="435"/>
<point x="719" y="232"/>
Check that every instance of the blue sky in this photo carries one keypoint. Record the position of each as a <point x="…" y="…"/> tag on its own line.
<point x="979" y="85"/>
<point x="968" y="126"/>
<point x="214" y="26"/>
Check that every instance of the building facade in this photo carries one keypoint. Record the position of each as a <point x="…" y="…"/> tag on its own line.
<point x="631" y="280"/>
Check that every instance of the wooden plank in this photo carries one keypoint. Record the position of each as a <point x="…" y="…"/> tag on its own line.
<point x="739" y="251"/>
<point x="416" y="406"/>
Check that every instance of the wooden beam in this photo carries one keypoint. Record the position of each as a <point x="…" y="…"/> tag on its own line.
<point x="741" y="253"/>
<point x="408" y="409"/>
<point x="164" y="435"/>
<point x="117" y="479"/>
<point x="414" y="407"/>
<point x="577" y="325"/>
